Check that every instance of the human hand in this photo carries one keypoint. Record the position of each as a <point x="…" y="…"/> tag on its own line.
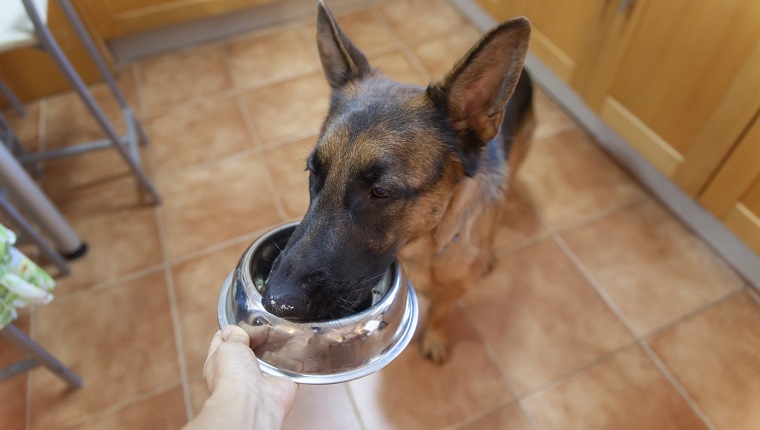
<point x="242" y="396"/>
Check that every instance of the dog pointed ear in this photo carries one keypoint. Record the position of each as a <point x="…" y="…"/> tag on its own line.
<point x="341" y="60"/>
<point x="476" y="91"/>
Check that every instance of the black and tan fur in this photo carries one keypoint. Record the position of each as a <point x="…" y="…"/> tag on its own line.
<point x="400" y="170"/>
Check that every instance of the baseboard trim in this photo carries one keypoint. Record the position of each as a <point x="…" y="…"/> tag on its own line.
<point x="135" y="47"/>
<point x="702" y="222"/>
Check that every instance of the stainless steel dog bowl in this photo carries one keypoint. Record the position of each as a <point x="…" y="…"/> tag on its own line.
<point x="325" y="352"/>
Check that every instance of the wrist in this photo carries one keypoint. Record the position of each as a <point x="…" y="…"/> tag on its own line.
<point x="244" y="409"/>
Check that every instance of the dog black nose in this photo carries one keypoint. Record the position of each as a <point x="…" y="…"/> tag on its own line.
<point x="285" y="305"/>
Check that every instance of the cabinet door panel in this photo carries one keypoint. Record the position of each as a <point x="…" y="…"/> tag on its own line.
<point x="734" y="194"/>
<point x="564" y="32"/>
<point x="676" y="71"/>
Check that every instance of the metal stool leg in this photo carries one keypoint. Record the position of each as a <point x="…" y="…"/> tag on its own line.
<point x="51" y="254"/>
<point x="23" y="189"/>
<point x="12" y="99"/>
<point x="40" y="356"/>
<point x="89" y="44"/>
<point x="15" y="145"/>
<point x="51" y="46"/>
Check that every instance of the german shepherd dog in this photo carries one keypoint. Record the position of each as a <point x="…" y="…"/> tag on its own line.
<point x="401" y="170"/>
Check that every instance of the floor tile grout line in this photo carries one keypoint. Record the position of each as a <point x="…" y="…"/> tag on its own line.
<point x="73" y="204"/>
<point x="557" y="131"/>
<point x="190" y="103"/>
<point x="117" y="406"/>
<point x="426" y="38"/>
<point x="550" y="230"/>
<point x="522" y="245"/>
<point x="601" y="214"/>
<point x="400" y="42"/>
<point x="227" y="92"/>
<point x="503" y="372"/>
<point x="639" y="339"/>
<point x="309" y="41"/>
<point x="113" y="282"/>
<point x="254" y="149"/>
<point x="677" y="385"/>
<point x="696" y="409"/>
<point x="350" y="9"/>
<point x="379" y="52"/>
<point x="224" y="51"/>
<point x="110" y="283"/>
<point x="241" y="89"/>
<point x="559" y="380"/>
<point x="173" y="307"/>
<point x="279" y="206"/>
<point x="707" y="306"/>
<point x="479" y="416"/>
<point x="247" y="237"/>
<point x="176" y="327"/>
<point x="559" y="241"/>
<point x="354" y="405"/>
<point x="594" y="283"/>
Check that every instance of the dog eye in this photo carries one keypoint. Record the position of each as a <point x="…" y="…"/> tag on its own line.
<point x="380" y="193"/>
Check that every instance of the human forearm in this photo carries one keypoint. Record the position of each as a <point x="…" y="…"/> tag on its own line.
<point x="237" y="411"/>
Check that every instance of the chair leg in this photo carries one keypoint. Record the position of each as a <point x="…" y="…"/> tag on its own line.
<point x="40" y="355"/>
<point x="12" y="99"/>
<point x="50" y="45"/>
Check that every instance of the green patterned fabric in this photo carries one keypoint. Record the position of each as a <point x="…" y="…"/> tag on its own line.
<point x="21" y="281"/>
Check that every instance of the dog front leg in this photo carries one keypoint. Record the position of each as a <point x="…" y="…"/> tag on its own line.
<point x="435" y="334"/>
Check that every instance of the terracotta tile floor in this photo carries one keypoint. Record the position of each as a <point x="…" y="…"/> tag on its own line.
<point x="603" y="311"/>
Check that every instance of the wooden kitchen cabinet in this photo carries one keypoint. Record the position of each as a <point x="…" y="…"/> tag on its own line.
<point x="118" y="18"/>
<point x="679" y="80"/>
<point x="687" y="85"/>
<point x="734" y="194"/>
<point x="564" y="33"/>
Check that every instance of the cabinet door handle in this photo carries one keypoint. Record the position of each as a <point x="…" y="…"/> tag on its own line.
<point x="624" y="6"/>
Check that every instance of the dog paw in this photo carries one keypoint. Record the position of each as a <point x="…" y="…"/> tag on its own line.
<point x="434" y="347"/>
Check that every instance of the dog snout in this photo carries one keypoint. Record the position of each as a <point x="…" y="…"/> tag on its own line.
<point x="290" y="305"/>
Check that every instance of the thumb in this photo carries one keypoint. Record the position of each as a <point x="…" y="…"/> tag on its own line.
<point x="233" y="333"/>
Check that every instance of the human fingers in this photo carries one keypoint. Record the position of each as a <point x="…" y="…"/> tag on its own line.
<point x="215" y="342"/>
<point x="235" y="334"/>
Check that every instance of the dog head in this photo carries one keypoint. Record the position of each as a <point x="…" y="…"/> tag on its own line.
<point x="385" y="164"/>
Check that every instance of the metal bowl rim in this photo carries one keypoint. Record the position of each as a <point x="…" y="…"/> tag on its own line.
<point x="407" y="328"/>
<point x="411" y="312"/>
